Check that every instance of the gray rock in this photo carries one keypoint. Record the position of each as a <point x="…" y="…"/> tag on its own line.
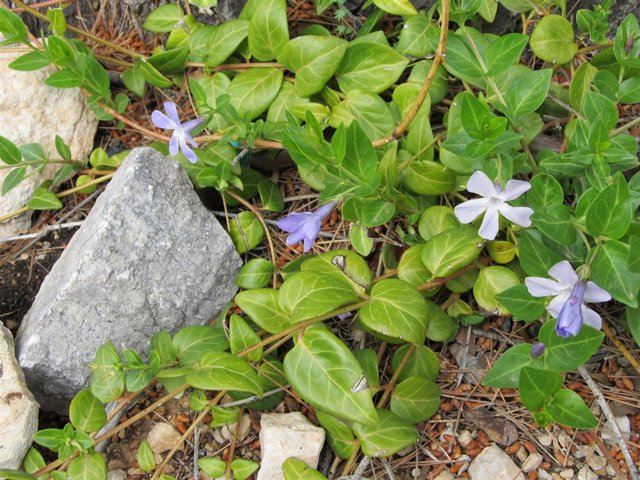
<point x="149" y="257"/>
<point x="494" y="464"/>
<point x="18" y="408"/>
<point x="35" y="113"/>
<point x="284" y="435"/>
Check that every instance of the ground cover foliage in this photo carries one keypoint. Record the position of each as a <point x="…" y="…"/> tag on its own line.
<point x="356" y="108"/>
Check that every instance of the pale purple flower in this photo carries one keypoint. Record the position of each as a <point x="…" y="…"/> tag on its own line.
<point x="537" y="349"/>
<point x="304" y="226"/>
<point x="180" y="138"/>
<point x="569" y="293"/>
<point x="492" y="204"/>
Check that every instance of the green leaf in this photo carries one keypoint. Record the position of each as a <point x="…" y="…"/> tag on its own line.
<point x="242" y="469"/>
<point x="422" y="362"/>
<point x="370" y="66"/>
<point x="490" y="282"/>
<point x="415" y="399"/>
<point x="609" y="271"/>
<point x="396" y="310"/>
<point x="64" y="79"/>
<point x="51" y="438"/>
<point x="108" y="378"/>
<point x="163" y="19"/>
<point x="271" y="196"/>
<point x="33" y="461"/>
<point x="256" y="273"/>
<point x="92" y="466"/>
<point x="599" y="108"/>
<point x="632" y="316"/>
<point x="581" y="85"/>
<point x="13" y="178"/>
<point x="43" y="199"/>
<point x="12" y="27"/>
<point x="225" y="40"/>
<point x="86" y="412"/>
<point x="415" y="36"/>
<point x="435" y="220"/>
<point x="527" y="92"/>
<point x="521" y="304"/>
<point x="350" y="267"/>
<point x="284" y="101"/>
<point x="626" y="46"/>
<point x="360" y="159"/>
<point x="537" y="385"/>
<point x="630" y="90"/>
<point x="57" y="22"/>
<point x="370" y="111"/>
<point x="15" y="475"/>
<point x="242" y="336"/>
<point x="429" y="178"/>
<point x="162" y="352"/>
<point x="462" y="62"/>
<point x="568" y="408"/>
<point x="545" y="191"/>
<point x="554" y="222"/>
<point x="192" y="342"/>
<point x="145" y="458"/>
<point x="246" y="231"/>
<point x="611" y="212"/>
<point x="268" y="29"/>
<point x="170" y="62"/>
<point x="62" y="148"/>
<point x="504" y="52"/>
<point x="212" y="466"/>
<point x="308" y="294"/>
<point x="339" y="435"/>
<point x="261" y="305"/>
<point x="505" y="373"/>
<point x="28" y="62"/>
<point x="396" y="7"/>
<point x="134" y="81"/>
<point x="441" y="327"/>
<point x="535" y="257"/>
<point x="390" y="435"/>
<point x="253" y="91"/>
<point x="566" y="354"/>
<point x="295" y="469"/>
<point x="9" y="152"/>
<point x="327" y="375"/>
<point x="314" y="59"/>
<point x="151" y="74"/>
<point x="224" y="371"/>
<point x="360" y="239"/>
<point x="411" y="269"/>
<point x="553" y="40"/>
<point x="451" y="250"/>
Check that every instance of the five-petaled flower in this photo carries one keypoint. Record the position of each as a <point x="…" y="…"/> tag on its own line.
<point x="304" y="226"/>
<point x="569" y="293"/>
<point x="180" y="138"/>
<point x="493" y="203"/>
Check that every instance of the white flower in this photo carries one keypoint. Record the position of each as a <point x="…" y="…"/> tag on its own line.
<point x="492" y="204"/>
<point x="566" y="282"/>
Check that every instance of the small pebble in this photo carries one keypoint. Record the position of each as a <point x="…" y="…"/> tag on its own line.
<point x="445" y="475"/>
<point x="596" y="462"/>
<point x="532" y="462"/>
<point x="586" y="474"/>
<point x="464" y="438"/>
<point x="521" y="454"/>
<point x="545" y="440"/>
<point x="568" y="473"/>
<point x="544" y="475"/>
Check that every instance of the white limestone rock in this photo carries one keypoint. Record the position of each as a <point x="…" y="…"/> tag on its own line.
<point x="494" y="464"/>
<point x="18" y="408"/>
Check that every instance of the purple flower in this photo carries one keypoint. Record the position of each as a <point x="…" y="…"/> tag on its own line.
<point x="569" y="294"/>
<point x="537" y="349"/>
<point x="304" y="226"/>
<point x="493" y="203"/>
<point x="180" y="138"/>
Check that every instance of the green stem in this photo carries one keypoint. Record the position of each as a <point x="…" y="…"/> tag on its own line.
<point x="40" y="162"/>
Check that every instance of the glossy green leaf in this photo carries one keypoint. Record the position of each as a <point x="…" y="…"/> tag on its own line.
<point x="449" y="251"/>
<point x="295" y="469"/>
<point x="422" y="362"/>
<point x="537" y="385"/>
<point x="411" y="269"/>
<point x="490" y="282"/>
<point x="600" y="108"/>
<point x="308" y="294"/>
<point x="86" y="412"/>
<point x="348" y="265"/>
<point x="390" y="435"/>
<point x="535" y="257"/>
<point x="370" y="67"/>
<point x="43" y="199"/>
<point x="545" y="191"/>
<point x="212" y="466"/>
<point x="145" y="458"/>
<point x="568" y="408"/>
<point x="253" y="91"/>
<point x="284" y="101"/>
<point x="368" y="360"/>
<point x="271" y="196"/>
<point x="151" y="74"/>
<point x="12" y="27"/>
<point x="554" y="222"/>
<point x="30" y="61"/>
<point x="256" y="273"/>
<point x="242" y="336"/>
<point x="435" y="220"/>
<point x="462" y="62"/>
<point x="415" y="36"/>
<point x="246" y="231"/>
<point x="521" y="304"/>
<point x="396" y="7"/>
<point x="33" y="461"/>
<point x="566" y="354"/>
<point x="10" y="474"/>
<point x="415" y="399"/>
<point x="91" y="466"/>
<point x="505" y="373"/>
<point x="192" y="342"/>
<point x="163" y="19"/>
<point x="370" y="111"/>
<point x="327" y="375"/>
<point x="339" y="435"/>
<point x="610" y="213"/>
<point x="107" y="379"/>
<point x="224" y="371"/>
<point x="609" y="271"/>
<point x="9" y="152"/>
<point x="224" y="40"/>
<point x="242" y="468"/>
<point x="429" y="178"/>
<point x="581" y="85"/>
<point x="504" y="52"/>
<point x="360" y="160"/>
<point x="314" y="59"/>
<point x="261" y="305"/>
<point x="64" y="79"/>
<point x="626" y="46"/>
<point x="396" y="310"/>
<point x="268" y="30"/>
<point x="360" y="239"/>
<point x="13" y="178"/>
<point x="553" y="40"/>
<point x="527" y="92"/>
<point x="162" y="353"/>
<point x="171" y="61"/>
<point x="630" y="90"/>
<point x="441" y="327"/>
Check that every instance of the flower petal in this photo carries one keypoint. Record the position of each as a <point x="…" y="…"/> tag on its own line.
<point x="564" y="273"/>
<point x="172" y="112"/>
<point x="591" y="318"/>
<point x="325" y="210"/>
<point x="481" y="184"/>
<point x="595" y="294"/>
<point x="556" y="304"/>
<point x="293" y="221"/>
<point x="311" y="228"/>
<point x="518" y="215"/>
<point x="174" y="144"/>
<point x="468" y="211"/>
<point x="160" y="120"/>
<point x="543" y="287"/>
<point x="191" y="124"/>
<point x="190" y="154"/>
<point x="308" y="244"/>
<point x="514" y="189"/>
<point x="490" y="224"/>
<point x="295" y="237"/>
